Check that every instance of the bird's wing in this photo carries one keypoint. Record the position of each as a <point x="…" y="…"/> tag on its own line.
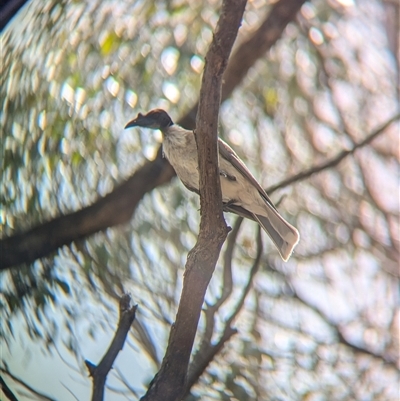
<point x="240" y="211"/>
<point x="190" y="188"/>
<point x="229" y="154"/>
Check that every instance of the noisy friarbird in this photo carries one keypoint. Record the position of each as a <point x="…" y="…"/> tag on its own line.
<point x="241" y="193"/>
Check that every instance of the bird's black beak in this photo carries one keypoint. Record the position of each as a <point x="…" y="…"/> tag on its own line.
<point x="139" y="121"/>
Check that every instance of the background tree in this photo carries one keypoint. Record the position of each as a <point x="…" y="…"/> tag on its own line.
<point x="323" y="325"/>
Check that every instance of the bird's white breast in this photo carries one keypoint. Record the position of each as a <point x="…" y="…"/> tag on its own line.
<point x="180" y="149"/>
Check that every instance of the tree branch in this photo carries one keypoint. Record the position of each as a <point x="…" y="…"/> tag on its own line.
<point x="99" y="373"/>
<point x="211" y="310"/>
<point x="115" y="208"/>
<point x="339" y="334"/>
<point x="170" y="381"/>
<point x="227" y="283"/>
<point x="118" y="206"/>
<point x="208" y="351"/>
<point x="332" y="325"/>
<point x="7" y="391"/>
<point x="25" y="385"/>
<point x="334" y="161"/>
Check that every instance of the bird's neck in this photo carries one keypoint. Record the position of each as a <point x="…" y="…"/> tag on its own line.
<point x="177" y="135"/>
<point x="165" y="129"/>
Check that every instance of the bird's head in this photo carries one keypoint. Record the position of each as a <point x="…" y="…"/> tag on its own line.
<point x="154" y="119"/>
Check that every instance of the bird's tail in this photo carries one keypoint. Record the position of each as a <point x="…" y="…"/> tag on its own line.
<point x="284" y="235"/>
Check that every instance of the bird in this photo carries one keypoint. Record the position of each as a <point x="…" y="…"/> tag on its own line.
<point x="241" y="192"/>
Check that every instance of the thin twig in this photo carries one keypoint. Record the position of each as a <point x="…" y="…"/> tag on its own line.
<point x="334" y="161"/>
<point x="70" y="391"/>
<point x="26" y="386"/>
<point x="253" y="271"/>
<point x="339" y="334"/>
<point x="7" y="391"/>
<point x="227" y="283"/>
<point x="295" y="295"/>
<point x="99" y="373"/>
<point x="122" y="379"/>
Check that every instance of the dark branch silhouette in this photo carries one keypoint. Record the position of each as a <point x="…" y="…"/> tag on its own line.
<point x="7" y="391"/>
<point x="118" y="206"/>
<point x="42" y="396"/>
<point x="99" y="373"/>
